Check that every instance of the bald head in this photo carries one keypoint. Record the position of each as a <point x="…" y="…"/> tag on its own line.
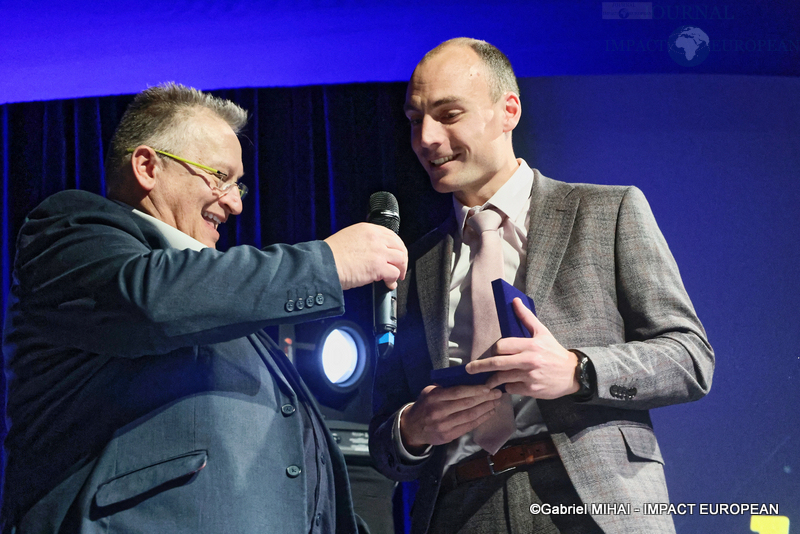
<point x="499" y="73"/>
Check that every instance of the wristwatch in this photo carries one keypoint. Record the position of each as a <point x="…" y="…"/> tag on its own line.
<point x="584" y="373"/>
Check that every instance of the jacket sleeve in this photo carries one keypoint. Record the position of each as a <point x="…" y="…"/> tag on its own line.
<point x="666" y="357"/>
<point x="93" y="279"/>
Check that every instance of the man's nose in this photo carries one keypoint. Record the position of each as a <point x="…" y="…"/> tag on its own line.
<point x="232" y="202"/>
<point x="430" y="133"/>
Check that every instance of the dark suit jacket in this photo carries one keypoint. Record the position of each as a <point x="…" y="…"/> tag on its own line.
<point x="605" y="283"/>
<point x="143" y="396"/>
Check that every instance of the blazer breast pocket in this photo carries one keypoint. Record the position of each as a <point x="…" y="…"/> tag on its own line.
<point x="129" y="489"/>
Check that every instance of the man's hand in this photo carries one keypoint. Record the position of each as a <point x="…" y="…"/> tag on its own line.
<point x="539" y="367"/>
<point x="366" y="253"/>
<point x="441" y="415"/>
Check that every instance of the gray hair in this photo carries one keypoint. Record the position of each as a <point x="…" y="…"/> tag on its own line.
<point x="501" y="74"/>
<point x="159" y="116"/>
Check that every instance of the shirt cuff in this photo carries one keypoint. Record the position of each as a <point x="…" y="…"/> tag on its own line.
<point x="406" y="456"/>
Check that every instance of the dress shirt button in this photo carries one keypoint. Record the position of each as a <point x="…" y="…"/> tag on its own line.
<point x="300" y="304"/>
<point x="318" y="520"/>
<point x="322" y="459"/>
<point x="289" y="306"/>
<point x="309" y="301"/>
<point x="287" y="409"/>
<point x="320" y="299"/>
<point x="293" y="471"/>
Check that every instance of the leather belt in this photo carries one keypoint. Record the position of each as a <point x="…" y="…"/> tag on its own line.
<point x="506" y="459"/>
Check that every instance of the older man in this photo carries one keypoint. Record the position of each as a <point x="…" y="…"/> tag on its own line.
<point x="572" y="430"/>
<point x="142" y="393"/>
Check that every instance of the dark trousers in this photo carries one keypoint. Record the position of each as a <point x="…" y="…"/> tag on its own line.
<point x="501" y="504"/>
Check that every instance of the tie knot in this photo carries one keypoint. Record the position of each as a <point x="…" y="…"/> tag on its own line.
<point x="485" y="221"/>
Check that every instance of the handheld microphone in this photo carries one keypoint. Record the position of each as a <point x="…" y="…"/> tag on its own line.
<point x="384" y="211"/>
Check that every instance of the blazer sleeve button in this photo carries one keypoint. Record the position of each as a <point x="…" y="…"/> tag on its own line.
<point x="293" y="471"/>
<point x="309" y="301"/>
<point x="300" y="304"/>
<point x="289" y="307"/>
<point x="319" y="299"/>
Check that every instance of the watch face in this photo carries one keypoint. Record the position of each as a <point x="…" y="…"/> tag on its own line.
<point x="583" y="376"/>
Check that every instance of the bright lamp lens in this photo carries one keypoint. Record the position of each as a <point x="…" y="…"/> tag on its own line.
<point x="339" y="356"/>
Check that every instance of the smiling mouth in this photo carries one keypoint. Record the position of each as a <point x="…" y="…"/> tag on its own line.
<point x="213" y="219"/>
<point x="441" y="161"/>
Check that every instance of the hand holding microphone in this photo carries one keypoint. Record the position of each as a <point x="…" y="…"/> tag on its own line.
<point x="366" y="253"/>
<point x="373" y="252"/>
<point x="384" y="211"/>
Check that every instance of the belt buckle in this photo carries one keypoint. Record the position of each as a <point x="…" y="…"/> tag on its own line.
<point x="490" y="461"/>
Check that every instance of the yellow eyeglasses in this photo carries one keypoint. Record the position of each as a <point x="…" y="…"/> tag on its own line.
<point x="222" y="186"/>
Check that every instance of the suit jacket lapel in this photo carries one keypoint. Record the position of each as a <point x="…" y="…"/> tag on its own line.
<point x="552" y="216"/>
<point x="271" y="356"/>
<point x="433" y="289"/>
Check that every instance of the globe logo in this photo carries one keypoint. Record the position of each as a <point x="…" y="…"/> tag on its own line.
<point x="688" y="46"/>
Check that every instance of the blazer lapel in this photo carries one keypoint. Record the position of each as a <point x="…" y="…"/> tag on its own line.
<point x="272" y="356"/>
<point x="552" y="216"/>
<point x="433" y="288"/>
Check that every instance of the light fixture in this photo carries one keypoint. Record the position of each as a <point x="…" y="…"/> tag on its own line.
<point x="334" y="363"/>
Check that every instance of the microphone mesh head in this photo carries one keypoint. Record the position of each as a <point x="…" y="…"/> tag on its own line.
<point x="384" y="211"/>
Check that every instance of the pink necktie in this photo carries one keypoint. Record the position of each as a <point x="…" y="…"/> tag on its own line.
<point x="486" y="267"/>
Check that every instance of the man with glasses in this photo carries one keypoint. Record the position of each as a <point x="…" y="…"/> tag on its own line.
<point x="143" y="395"/>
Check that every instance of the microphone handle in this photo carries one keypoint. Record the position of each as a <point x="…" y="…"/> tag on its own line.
<point x="384" y="306"/>
<point x="384" y="317"/>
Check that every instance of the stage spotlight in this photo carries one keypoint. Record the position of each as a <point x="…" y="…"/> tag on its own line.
<point x="335" y="363"/>
<point x="340" y="357"/>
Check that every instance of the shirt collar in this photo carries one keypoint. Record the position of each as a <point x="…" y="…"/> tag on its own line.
<point x="174" y="237"/>
<point x="511" y="199"/>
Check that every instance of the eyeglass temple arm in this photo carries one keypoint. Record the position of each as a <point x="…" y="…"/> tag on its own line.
<point x="173" y="156"/>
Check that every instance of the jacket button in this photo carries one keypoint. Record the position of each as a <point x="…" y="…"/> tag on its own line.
<point x="309" y="301"/>
<point x="293" y="471"/>
<point x="289" y="306"/>
<point x="287" y="409"/>
<point x="300" y="304"/>
<point x="320" y="299"/>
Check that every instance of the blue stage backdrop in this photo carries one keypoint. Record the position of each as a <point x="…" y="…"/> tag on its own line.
<point x="715" y="155"/>
<point x="713" y="141"/>
<point x="68" y="49"/>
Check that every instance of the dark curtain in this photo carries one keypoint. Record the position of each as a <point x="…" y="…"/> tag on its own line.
<point x="312" y="156"/>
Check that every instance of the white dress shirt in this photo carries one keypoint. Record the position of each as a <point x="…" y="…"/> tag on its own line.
<point x="174" y="237"/>
<point x="513" y="200"/>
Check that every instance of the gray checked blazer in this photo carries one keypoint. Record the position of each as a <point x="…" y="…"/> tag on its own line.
<point x="605" y="283"/>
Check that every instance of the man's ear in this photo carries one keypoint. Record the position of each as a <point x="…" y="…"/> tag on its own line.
<point x="143" y="166"/>
<point x="512" y="111"/>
